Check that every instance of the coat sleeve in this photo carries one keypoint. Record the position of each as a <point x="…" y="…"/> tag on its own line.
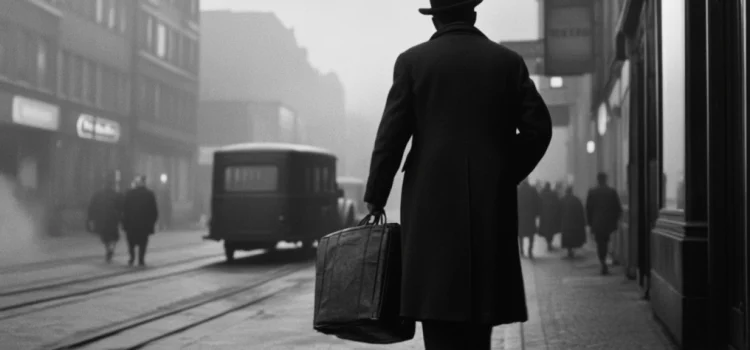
<point x="533" y="122"/>
<point x="394" y="132"/>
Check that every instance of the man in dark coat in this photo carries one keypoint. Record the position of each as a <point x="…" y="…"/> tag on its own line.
<point x="573" y="222"/>
<point x="603" y="210"/>
<point x="139" y="219"/>
<point x="549" y="220"/>
<point x="105" y="213"/>
<point x="461" y="98"/>
<point x="529" y="206"/>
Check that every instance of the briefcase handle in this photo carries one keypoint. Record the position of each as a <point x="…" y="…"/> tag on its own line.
<point x="380" y="218"/>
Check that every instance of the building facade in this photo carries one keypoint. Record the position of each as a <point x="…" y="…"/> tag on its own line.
<point x="165" y="90"/>
<point x="80" y="87"/>
<point x="670" y="110"/>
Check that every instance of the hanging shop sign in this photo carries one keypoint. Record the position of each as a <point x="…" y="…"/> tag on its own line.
<point x="568" y="37"/>
<point x="35" y="113"/>
<point x="96" y="128"/>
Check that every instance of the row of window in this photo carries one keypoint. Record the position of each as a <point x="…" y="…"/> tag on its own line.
<point x="189" y="8"/>
<point x="111" y="14"/>
<point x="32" y="60"/>
<point x="159" y="101"/>
<point x="165" y="42"/>
<point x="91" y="83"/>
<point x="26" y="57"/>
<point x="265" y="178"/>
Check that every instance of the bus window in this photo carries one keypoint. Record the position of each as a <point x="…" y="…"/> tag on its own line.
<point x="251" y="178"/>
<point x="308" y="180"/>
<point x="325" y="181"/>
<point x="316" y="180"/>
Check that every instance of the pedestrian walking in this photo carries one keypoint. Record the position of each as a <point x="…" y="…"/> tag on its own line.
<point x="549" y="219"/>
<point x="105" y="213"/>
<point x="139" y="219"/>
<point x="460" y="98"/>
<point x="603" y="211"/>
<point x="573" y="222"/>
<point x="529" y="207"/>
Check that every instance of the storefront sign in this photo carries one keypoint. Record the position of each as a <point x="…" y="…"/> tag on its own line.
<point x="35" y="113"/>
<point x="568" y="37"/>
<point x="100" y="129"/>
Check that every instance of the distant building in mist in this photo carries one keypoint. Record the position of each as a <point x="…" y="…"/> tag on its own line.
<point x="83" y="82"/>
<point x="252" y="56"/>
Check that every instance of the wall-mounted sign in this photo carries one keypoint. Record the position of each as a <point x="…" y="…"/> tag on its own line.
<point x="35" y="113"/>
<point x="568" y="37"/>
<point x="100" y="129"/>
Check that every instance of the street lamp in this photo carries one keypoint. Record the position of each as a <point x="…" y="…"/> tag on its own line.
<point x="590" y="147"/>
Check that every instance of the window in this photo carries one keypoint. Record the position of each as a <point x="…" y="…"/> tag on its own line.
<point x="123" y="95"/>
<point x="111" y="14"/>
<point x="86" y="87"/>
<point x="161" y="40"/>
<point x="149" y="33"/>
<point x="21" y="56"/>
<point x="316" y="180"/>
<point x="556" y="82"/>
<point x="5" y="51"/>
<point x="255" y="178"/>
<point x="74" y="77"/>
<point x="62" y="79"/>
<point x="41" y="64"/>
<point x="156" y="108"/>
<point x="326" y="183"/>
<point x="122" y="9"/>
<point x="100" y="11"/>
<point x="673" y="102"/>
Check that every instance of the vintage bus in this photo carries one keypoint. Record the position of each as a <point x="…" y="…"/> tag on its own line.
<point x="266" y="193"/>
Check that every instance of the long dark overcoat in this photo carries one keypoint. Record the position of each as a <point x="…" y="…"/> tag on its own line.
<point x="105" y="213"/>
<point x="460" y="97"/>
<point x="549" y="219"/>
<point x="603" y="209"/>
<point x="529" y="206"/>
<point x="140" y="212"/>
<point x="573" y="223"/>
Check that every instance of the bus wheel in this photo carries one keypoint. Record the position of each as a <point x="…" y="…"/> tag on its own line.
<point x="229" y="252"/>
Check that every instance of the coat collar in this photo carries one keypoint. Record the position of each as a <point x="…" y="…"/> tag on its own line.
<point x="458" y="29"/>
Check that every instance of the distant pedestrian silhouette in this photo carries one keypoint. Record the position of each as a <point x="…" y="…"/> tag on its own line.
<point x="139" y="219"/>
<point x="529" y="207"/>
<point x="603" y="211"/>
<point x="573" y="222"/>
<point x="105" y="214"/>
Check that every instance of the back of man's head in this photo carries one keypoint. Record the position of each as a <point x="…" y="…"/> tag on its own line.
<point x="601" y="178"/>
<point x="463" y="15"/>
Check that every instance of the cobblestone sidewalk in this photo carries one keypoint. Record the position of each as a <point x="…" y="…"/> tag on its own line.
<point x="577" y="308"/>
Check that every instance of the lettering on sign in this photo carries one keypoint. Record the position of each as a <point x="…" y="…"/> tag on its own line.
<point x="568" y="37"/>
<point x="100" y="129"/>
<point x="35" y="113"/>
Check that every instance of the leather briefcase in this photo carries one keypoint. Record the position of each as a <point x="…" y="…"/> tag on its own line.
<point x="358" y="284"/>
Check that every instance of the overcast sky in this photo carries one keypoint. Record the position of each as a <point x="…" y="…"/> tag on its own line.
<point x="359" y="40"/>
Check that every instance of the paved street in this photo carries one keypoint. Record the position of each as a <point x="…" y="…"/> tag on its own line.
<point x="571" y="307"/>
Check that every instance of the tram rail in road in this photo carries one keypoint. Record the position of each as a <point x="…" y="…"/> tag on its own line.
<point x="143" y="330"/>
<point x="34" y="301"/>
<point x="46" y="264"/>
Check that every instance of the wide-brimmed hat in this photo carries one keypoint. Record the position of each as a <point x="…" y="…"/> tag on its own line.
<point x="438" y="6"/>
